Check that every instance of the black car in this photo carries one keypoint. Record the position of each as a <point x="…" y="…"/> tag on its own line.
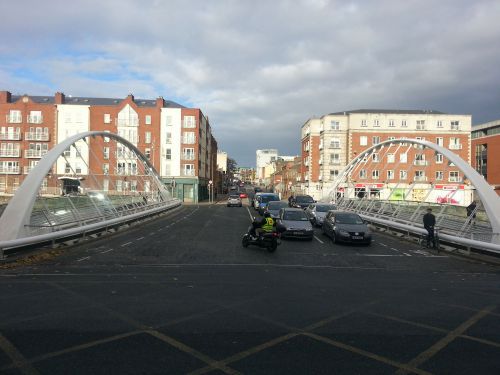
<point x="302" y="201"/>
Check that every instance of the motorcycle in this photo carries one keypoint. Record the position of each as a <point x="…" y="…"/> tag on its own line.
<point x="268" y="240"/>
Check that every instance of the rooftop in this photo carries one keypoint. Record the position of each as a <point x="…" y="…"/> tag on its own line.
<point x="392" y="111"/>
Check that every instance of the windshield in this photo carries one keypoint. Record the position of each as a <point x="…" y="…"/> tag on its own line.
<point x="269" y="198"/>
<point x="304" y="199"/>
<point x="276" y="205"/>
<point x="295" y="216"/>
<point x="348" y="219"/>
<point x="325" y="207"/>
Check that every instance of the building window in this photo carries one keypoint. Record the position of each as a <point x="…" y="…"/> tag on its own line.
<point x="439" y="175"/>
<point x="375" y="140"/>
<point x="455" y="125"/>
<point x="420" y="124"/>
<point x="439" y="124"/>
<point x="363" y="123"/>
<point x="105" y="184"/>
<point x="403" y="174"/>
<point x="454" y="176"/>
<point x="119" y="185"/>
<point x="107" y="118"/>
<point x="439" y="158"/>
<point x="133" y="185"/>
<point x="147" y="120"/>
<point x="376" y="123"/>
<point x="106" y="139"/>
<point x="375" y="157"/>
<point x="168" y="139"/>
<point x="168" y="154"/>
<point x="67" y="168"/>
<point x="105" y="168"/>
<point x="78" y="168"/>
<point x="188" y="154"/>
<point x="403" y="157"/>
<point x="335" y="159"/>
<point x="67" y="152"/>
<point x="189" y="138"/>
<point x="14" y="117"/>
<point x="391" y="138"/>
<point x="390" y="158"/>
<point x="439" y="141"/>
<point x="188" y="169"/>
<point x="455" y="144"/>
<point x="106" y="152"/>
<point x="404" y="124"/>
<point x="335" y="143"/>
<point x="35" y="117"/>
<point x="391" y="123"/>
<point x="334" y="173"/>
<point x="362" y="174"/>
<point x="334" y="125"/>
<point x="147" y="137"/>
<point x="375" y="174"/>
<point x="147" y="153"/>
<point x="189" y="122"/>
<point x="363" y="140"/>
<point x="420" y="176"/>
<point x="390" y="174"/>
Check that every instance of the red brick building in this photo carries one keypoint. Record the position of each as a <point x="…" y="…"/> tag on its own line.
<point x="485" y="150"/>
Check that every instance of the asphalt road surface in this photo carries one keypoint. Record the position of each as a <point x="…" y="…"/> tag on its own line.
<point x="181" y="295"/>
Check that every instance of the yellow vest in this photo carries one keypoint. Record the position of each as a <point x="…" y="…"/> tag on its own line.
<point x="268" y="226"/>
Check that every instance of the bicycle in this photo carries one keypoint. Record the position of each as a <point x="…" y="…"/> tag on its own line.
<point x="435" y="240"/>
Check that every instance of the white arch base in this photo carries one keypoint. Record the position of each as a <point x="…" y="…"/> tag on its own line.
<point x="15" y="220"/>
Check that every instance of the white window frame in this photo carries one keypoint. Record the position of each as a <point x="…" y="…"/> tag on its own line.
<point x="363" y="140"/>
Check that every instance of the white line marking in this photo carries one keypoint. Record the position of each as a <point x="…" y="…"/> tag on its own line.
<point x="152" y="233"/>
<point x="140" y="238"/>
<point x="379" y="255"/>
<point x="408" y="255"/>
<point x="126" y="244"/>
<point x="383" y="244"/>
<point x="318" y="239"/>
<point x="84" y="258"/>
<point x="249" y="214"/>
<point x="106" y="251"/>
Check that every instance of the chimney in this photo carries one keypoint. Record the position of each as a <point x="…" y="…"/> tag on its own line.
<point x="130" y="96"/>
<point x="5" y="97"/>
<point x="59" y="98"/>
<point x="160" y="103"/>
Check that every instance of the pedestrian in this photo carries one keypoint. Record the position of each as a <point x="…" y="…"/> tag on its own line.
<point x="429" y="223"/>
<point x="471" y="211"/>
<point x="290" y="200"/>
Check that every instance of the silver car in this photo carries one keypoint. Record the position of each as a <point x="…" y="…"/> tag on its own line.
<point x="274" y="208"/>
<point x="234" y="200"/>
<point x="293" y="222"/>
<point x="317" y="212"/>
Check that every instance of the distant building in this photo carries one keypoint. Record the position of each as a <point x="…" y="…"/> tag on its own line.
<point x="177" y="140"/>
<point x="485" y="150"/>
<point x="264" y="157"/>
<point x="333" y="140"/>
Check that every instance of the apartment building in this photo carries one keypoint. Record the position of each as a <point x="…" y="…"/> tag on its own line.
<point x="485" y="152"/>
<point x="344" y="135"/>
<point x="177" y="140"/>
<point x="310" y="155"/>
<point x="263" y="158"/>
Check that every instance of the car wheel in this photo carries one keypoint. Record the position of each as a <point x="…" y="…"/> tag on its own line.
<point x="334" y="237"/>
<point x="240" y="205"/>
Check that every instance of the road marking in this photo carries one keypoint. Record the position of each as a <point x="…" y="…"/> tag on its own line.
<point x="408" y="255"/>
<point x="140" y="238"/>
<point x="17" y="358"/>
<point x="249" y="214"/>
<point x="318" y="239"/>
<point x="383" y="244"/>
<point x="106" y="251"/>
<point x="445" y="341"/>
<point x="379" y="255"/>
<point x="84" y="258"/>
<point x="152" y="233"/>
<point x="126" y="244"/>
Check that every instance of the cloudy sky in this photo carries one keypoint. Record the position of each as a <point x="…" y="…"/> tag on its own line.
<point x="259" y="69"/>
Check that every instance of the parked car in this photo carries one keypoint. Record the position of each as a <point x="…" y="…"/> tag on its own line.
<point x="344" y="226"/>
<point x="317" y="212"/>
<point x="257" y="190"/>
<point x="302" y="201"/>
<point x="274" y="208"/>
<point x="293" y="222"/>
<point x="234" y="200"/>
<point x="264" y="199"/>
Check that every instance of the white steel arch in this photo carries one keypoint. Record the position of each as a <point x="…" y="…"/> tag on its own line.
<point x="489" y="199"/>
<point x="16" y="215"/>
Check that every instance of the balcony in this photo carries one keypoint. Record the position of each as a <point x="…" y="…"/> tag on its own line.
<point x="9" y="170"/>
<point x="13" y="119"/>
<point x="28" y="169"/>
<point x="188" y="157"/>
<point x="30" y="154"/>
<point x="334" y="146"/>
<point x="127" y="122"/>
<point x="36" y="136"/>
<point x="14" y="153"/>
<point x="9" y="136"/>
<point x="188" y="172"/>
<point x="455" y="127"/>
<point x="454" y="179"/>
<point x="35" y="119"/>
<point x="420" y="162"/>
<point x="455" y="146"/>
<point x="420" y="178"/>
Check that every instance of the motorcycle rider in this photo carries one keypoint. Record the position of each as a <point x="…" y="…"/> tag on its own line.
<point x="266" y="225"/>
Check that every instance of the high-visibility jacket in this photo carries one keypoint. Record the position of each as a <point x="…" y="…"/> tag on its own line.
<point x="268" y="226"/>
